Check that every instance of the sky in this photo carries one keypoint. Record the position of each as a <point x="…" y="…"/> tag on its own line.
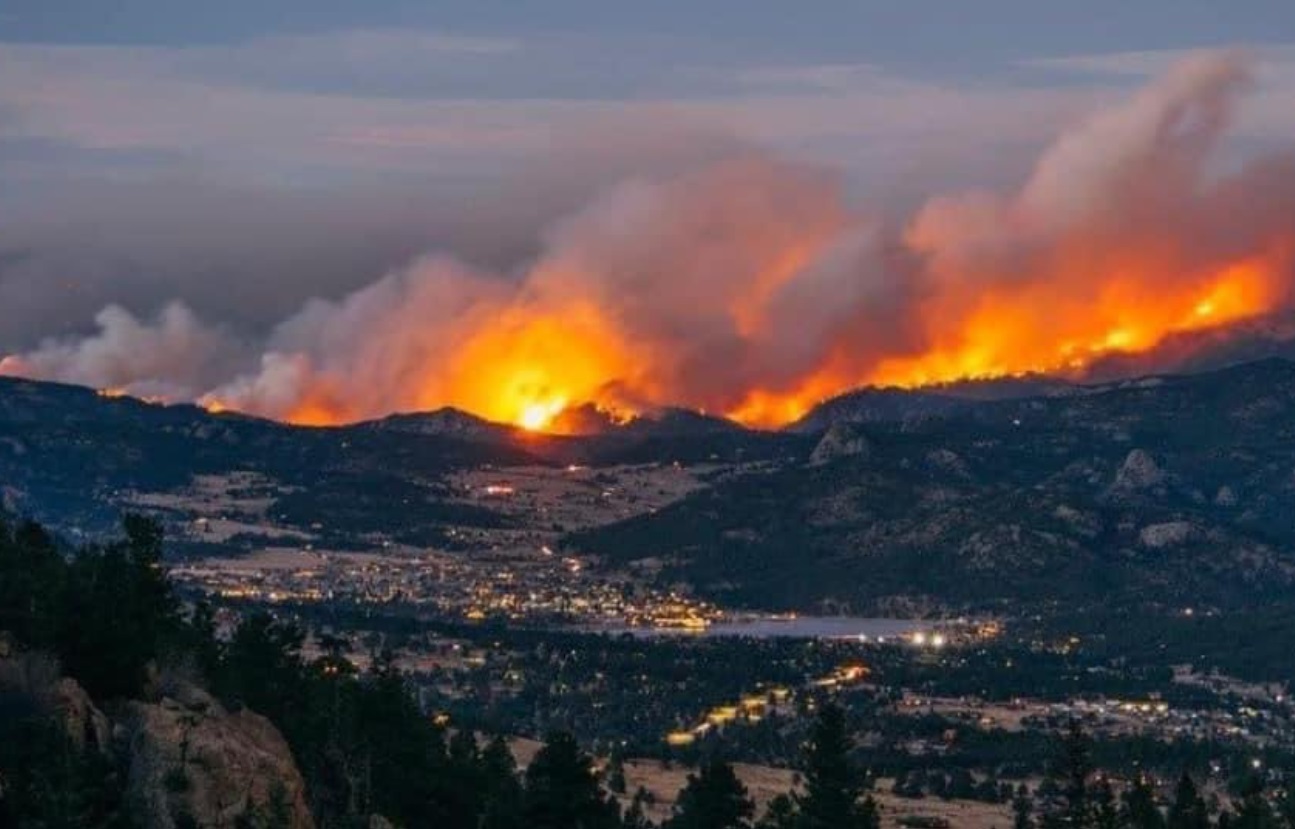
<point x="245" y="156"/>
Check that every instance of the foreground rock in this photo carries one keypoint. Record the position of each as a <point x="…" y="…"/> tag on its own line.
<point x="193" y="762"/>
<point x="187" y="761"/>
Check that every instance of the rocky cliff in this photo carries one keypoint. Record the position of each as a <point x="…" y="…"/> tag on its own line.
<point x="185" y="760"/>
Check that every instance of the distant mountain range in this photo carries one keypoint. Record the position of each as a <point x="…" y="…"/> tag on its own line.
<point x="1175" y="490"/>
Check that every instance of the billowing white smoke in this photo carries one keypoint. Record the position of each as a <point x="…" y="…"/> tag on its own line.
<point x="366" y="350"/>
<point x="174" y="355"/>
<point x="754" y="273"/>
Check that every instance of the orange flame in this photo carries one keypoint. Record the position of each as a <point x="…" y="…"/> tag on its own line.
<point x="1039" y="331"/>
<point x="528" y="368"/>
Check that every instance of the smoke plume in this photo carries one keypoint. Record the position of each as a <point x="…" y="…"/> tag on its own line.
<point x="752" y="286"/>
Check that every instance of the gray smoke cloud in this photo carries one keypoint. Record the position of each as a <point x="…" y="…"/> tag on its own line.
<point x="723" y="278"/>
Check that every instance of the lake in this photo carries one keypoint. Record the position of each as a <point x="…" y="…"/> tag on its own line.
<point x="801" y="627"/>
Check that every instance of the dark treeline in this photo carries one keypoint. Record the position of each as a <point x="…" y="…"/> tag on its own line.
<point x="108" y="615"/>
<point x="1078" y="794"/>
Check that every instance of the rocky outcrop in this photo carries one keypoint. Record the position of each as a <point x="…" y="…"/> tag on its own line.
<point x="1137" y="477"/>
<point x="35" y="677"/>
<point x="1167" y="534"/>
<point x="86" y="726"/>
<point x="191" y="761"/>
<point x="947" y="461"/>
<point x="841" y="440"/>
<point x="1138" y="472"/>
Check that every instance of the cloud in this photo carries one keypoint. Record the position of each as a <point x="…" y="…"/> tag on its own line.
<point x="301" y="108"/>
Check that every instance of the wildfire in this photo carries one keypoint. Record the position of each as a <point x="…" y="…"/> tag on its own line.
<point x="538" y="415"/>
<point x="530" y="369"/>
<point x="752" y="286"/>
<point x="1038" y="332"/>
<point x="527" y="369"/>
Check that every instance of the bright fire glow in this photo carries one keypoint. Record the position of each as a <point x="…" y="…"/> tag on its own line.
<point x="528" y="368"/>
<point x="756" y="288"/>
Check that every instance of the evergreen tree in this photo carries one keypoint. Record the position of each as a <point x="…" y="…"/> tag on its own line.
<point x="780" y="814"/>
<point x="562" y="790"/>
<point x="202" y="642"/>
<point x="636" y="815"/>
<point x="503" y="791"/>
<point x="32" y="579"/>
<point x="616" y="774"/>
<point x="1253" y="812"/>
<point x="1105" y="808"/>
<point x="1188" y="810"/>
<point x="1069" y="775"/>
<point x="832" y="784"/>
<point x="713" y="798"/>
<point x="1140" y="809"/>
<point x="1286" y="805"/>
<point x="118" y="612"/>
<point x="1022" y="809"/>
<point x="262" y="668"/>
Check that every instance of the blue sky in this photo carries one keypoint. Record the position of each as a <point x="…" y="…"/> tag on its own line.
<point x="871" y="30"/>
<point x="146" y="145"/>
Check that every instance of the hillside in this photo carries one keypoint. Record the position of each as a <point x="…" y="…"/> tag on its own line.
<point x="1176" y="490"/>
<point x="1170" y="490"/>
<point x="75" y="460"/>
<point x="71" y="458"/>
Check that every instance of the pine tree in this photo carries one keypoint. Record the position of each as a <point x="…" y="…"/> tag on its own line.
<point x="615" y="774"/>
<point x="1140" y="810"/>
<point x="32" y="579"/>
<point x="1022" y="809"/>
<point x="780" y="814"/>
<point x="1188" y="810"/>
<point x="636" y="815"/>
<point x="1253" y="812"/>
<point x="118" y="612"/>
<point x="1069" y="776"/>
<point x="832" y="784"/>
<point x="1286" y="805"/>
<point x="1106" y="808"/>
<point x="562" y="790"/>
<point x="714" y="798"/>
<point x="502" y="790"/>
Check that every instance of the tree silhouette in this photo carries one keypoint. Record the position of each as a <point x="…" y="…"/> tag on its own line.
<point x="714" y="798"/>
<point x="1253" y="812"/>
<point x="1022" y="809"/>
<point x="833" y="785"/>
<point x="1189" y="810"/>
<point x="780" y="814"/>
<point x="1069" y="775"/>
<point x="1105" y="806"/>
<point x="562" y="790"/>
<point x="1140" y="810"/>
